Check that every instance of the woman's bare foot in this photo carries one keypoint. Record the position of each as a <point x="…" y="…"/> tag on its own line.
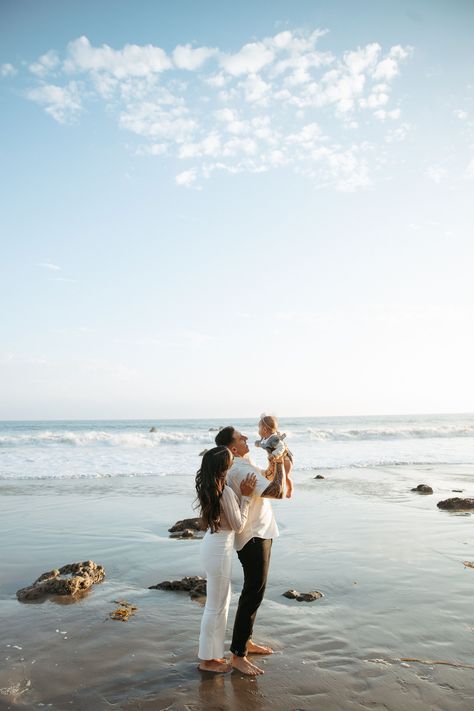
<point x="221" y="666"/>
<point x="253" y="648"/>
<point x="243" y="665"/>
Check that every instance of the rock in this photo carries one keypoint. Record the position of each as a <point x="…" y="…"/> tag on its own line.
<point x="423" y="489"/>
<point x="80" y="577"/>
<point x="319" y="476"/>
<point x="187" y="523"/>
<point x="457" y="491"/>
<point x="153" y="429"/>
<point x="456" y="503"/>
<point x="185" y="533"/>
<point x="309" y="597"/>
<point x="194" y="585"/>
<point x="291" y="594"/>
<point x="303" y="597"/>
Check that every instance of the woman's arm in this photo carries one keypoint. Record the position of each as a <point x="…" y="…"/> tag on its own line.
<point x="235" y="513"/>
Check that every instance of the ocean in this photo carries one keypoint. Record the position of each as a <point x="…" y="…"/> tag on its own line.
<point x="123" y="448"/>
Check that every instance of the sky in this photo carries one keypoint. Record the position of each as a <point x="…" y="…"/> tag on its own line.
<point x="216" y="209"/>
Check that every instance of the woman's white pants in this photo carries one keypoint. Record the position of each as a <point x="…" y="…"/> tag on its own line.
<point x="216" y="558"/>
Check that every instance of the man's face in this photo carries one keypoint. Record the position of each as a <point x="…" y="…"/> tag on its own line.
<point x="238" y="446"/>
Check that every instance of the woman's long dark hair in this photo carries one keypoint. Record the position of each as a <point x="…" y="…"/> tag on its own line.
<point x="210" y="482"/>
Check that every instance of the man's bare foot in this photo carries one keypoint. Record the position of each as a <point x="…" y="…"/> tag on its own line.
<point x="221" y="666"/>
<point x="253" y="648"/>
<point x="243" y="665"/>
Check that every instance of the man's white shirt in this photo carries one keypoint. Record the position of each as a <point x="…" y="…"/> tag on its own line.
<point x="261" y="521"/>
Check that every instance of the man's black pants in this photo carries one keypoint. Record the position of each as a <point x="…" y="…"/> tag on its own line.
<point x="255" y="559"/>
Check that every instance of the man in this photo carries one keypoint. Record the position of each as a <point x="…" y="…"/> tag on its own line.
<point x="253" y="546"/>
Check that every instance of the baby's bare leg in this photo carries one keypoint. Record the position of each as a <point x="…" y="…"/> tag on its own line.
<point x="289" y="481"/>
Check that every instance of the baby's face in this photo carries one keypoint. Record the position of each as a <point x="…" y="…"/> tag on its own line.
<point x="261" y="429"/>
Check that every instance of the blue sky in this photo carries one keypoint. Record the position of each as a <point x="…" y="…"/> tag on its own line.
<point x="214" y="209"/>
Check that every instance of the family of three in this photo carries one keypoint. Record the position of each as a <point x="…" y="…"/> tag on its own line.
<point x="234" y="500"/>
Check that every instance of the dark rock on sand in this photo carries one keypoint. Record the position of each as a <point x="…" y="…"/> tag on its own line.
<point x="456" y="503"/>
<point x="185" y="533"/>
<point x="194" y="524"/>
<point x="319" y="476"/>
<point x="303" y="597"/>
<point x="80" y="577"/>
<point x="423" y="489"/>
<point x="194" y="585"/>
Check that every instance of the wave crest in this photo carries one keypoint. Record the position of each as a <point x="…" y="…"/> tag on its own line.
<point x="94" y="438"/>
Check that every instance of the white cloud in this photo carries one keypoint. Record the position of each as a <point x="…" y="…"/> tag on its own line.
<point x="255" y="88"/>
<point x="45" y="64"/>
<point x="186" y="178"/>
<point x="63" y="103"/>
<point x="7" y="70"/>
<point x="131" y="61"/>
<point x="216" y="80"/>
<point x="307" y="136"/>
<point x="50" y="265"/>
<point x="362" y="59"/>
<point x="186" y="57"/>
<point x="273" y="102"/>
<point x="249" y="60"/>
<point x="157" y="122"/>
<point x="398" y="134"/>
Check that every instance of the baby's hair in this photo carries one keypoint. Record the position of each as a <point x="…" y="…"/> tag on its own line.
<point x="269" y="421"/>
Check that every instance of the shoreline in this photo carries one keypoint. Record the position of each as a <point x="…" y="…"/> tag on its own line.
<point x="388" y="562"/>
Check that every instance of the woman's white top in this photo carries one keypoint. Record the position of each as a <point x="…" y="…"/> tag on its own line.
<point x="234" y="514"/>
<point x="261" y="521"/>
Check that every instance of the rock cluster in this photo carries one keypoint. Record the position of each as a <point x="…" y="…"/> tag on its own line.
<point x="194" y="585"/>
<point x="423" y="489"/>
<point x="319" y="476"/>
<point x="303" y="597"/>
<point x="187" y="528"/>
<point x="456" y="503"/>
<point x="68" y="580"/>
<point x="186" y="524"/>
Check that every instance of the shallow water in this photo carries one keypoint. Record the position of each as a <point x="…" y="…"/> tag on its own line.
<point x="390" y="565"/>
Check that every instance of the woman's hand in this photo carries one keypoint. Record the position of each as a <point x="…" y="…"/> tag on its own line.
<point x="248" y="485"/>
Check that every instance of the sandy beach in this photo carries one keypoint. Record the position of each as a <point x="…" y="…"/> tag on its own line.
<point x="389" y="563"/>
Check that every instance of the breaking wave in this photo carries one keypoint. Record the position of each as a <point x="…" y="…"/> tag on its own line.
<point x="389" y="433"/>
<point x="87" y="439"/>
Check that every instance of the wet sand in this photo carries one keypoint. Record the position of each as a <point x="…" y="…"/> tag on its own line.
<point x="390" y="565"/>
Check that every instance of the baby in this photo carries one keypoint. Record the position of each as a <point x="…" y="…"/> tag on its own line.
<point x="273" y="443"/>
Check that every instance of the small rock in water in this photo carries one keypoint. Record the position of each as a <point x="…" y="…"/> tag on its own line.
<point x="187" y="523"/>
<point x="456" y="503"/>
<point x="153" y="429"/>
<point x="319" y="476"/>
<point x="186" y="533"/>
<point x="303" y="597"/>
<point x="457" y="491"/>
<point x="423" y="489"/>
<point x="194" y="585"/>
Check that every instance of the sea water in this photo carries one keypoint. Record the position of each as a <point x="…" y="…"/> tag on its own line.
<point x="118" y="448"/>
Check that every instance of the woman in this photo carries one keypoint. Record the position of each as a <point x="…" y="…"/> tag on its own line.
<point x="222" y="515"/>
